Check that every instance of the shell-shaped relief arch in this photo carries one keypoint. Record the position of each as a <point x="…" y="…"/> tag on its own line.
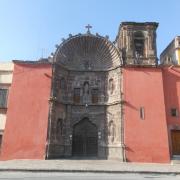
<point x="88" y="52"/>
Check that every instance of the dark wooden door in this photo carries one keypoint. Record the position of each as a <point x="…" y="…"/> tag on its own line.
<point x="84" y="139"/>
<point x="175" y="135"/>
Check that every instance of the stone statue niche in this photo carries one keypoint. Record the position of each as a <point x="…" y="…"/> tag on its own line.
<point x="111" y="86"/>
<point x="59" y="129"/>
<point x="111" y="132"/>
<point x="111" y="129"/>
<point x="86" y="92"/>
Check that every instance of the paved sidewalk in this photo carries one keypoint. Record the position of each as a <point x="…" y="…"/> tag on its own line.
<point x="104" y="166"/>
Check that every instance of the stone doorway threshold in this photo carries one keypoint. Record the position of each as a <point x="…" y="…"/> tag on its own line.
<point x="78" y="158"/>
<point x="175" y="159"/>
<point x="84" y="158"/>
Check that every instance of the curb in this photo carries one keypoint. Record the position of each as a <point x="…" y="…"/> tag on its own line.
<point x="89" y="171"/>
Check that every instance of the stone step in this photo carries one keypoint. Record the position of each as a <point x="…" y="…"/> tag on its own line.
<point x="175" y="159"/>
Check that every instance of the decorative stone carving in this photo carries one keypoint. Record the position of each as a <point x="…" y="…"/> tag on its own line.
<point x="111" y="86"/>
<point x="129" y="39"/>
<point x="88" y="53"/>
<point x="87" y="64"/>
<point x="150" y="39"/>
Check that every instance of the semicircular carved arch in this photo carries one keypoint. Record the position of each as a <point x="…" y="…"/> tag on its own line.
<point x="88" y="52"/>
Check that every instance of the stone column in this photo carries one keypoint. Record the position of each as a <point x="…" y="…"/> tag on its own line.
<point x="69" y="133"/>
<point x="151" y="47"/>
<point x="129" y="45"/>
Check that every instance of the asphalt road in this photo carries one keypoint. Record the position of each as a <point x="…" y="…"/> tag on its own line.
<point x="84" y="176"/>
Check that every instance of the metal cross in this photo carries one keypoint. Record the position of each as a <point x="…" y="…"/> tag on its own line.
<point x="88" y="28"/>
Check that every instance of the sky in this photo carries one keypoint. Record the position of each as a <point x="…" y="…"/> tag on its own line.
<point x="30" y="29"/>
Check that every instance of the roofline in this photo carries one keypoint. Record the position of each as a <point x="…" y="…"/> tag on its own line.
<point x="139" y="23"/>
<point x="31" y="62"/>
<point x="135" y="24"/>
<point x="167" y="47"/>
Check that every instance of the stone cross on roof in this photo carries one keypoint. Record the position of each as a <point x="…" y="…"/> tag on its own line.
<point x="88" y="28"/>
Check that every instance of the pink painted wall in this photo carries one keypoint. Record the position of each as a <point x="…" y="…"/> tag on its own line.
<point x="171" y="77"/>
<point x="171" y="80"/>
<point x="145" y="140"/>
<point x="27" y="116"/>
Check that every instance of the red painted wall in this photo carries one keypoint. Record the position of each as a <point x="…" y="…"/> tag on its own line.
<point x="145" y="140"/>
<point x="171" y="79"/>
<point x="27" y="116"/>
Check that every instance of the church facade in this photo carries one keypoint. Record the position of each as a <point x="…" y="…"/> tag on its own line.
<point x="94" y="98"/>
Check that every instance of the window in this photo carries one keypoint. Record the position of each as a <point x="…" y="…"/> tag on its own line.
<point x="139" y="44"/>
<point x="62" y="83"/>
<point x="168" y="59"/>
<point x="142" y="113"/>
<point x="95" y="95"/>
<point x="174" y="112"/>
<point x="77" y="95"/>
<point x="3" y="98"/>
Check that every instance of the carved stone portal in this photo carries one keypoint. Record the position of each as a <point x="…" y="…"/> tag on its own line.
<point x="92" y="102"/>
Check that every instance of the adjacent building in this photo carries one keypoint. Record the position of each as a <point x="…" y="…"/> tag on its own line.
<point x="96" y="98"/>
<point x="171" y="54"/>
<point x="6" y="70"/>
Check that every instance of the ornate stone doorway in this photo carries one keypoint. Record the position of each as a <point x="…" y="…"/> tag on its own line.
<point x="85" y="139"/>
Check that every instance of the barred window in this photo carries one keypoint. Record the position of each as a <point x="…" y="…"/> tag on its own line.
<point x="95" y="93"/>
<point x="3" y="98"/>
<point x="174" y="112"/>
<point x="77" y="95"/>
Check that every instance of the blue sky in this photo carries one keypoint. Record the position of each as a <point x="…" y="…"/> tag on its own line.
<point x="29" y="29"/>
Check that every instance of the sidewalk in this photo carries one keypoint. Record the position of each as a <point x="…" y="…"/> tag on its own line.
<point x="99" y="166"/>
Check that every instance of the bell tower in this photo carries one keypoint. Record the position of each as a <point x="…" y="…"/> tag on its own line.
<point x="137" y="41"/>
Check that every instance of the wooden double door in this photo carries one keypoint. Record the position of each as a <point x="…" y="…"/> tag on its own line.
<point x="85" y="139"/>
<point x="175" y="137"/>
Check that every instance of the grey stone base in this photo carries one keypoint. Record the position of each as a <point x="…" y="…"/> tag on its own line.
<point x="111" y="152"/>
<point x="58" y="151"/>
<point x="104" y="152"/>
<point x="115" y="152"/>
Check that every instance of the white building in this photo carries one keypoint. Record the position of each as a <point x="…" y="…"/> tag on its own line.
<point x="171" y="55"/>
<point x="6" y="71"/>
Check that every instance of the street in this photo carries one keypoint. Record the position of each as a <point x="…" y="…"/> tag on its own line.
<point x="81" y="176"/>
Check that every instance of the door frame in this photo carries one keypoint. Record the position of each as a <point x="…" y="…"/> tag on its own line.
<point x="171" y="138"/>
<point x="96" y="136"/>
